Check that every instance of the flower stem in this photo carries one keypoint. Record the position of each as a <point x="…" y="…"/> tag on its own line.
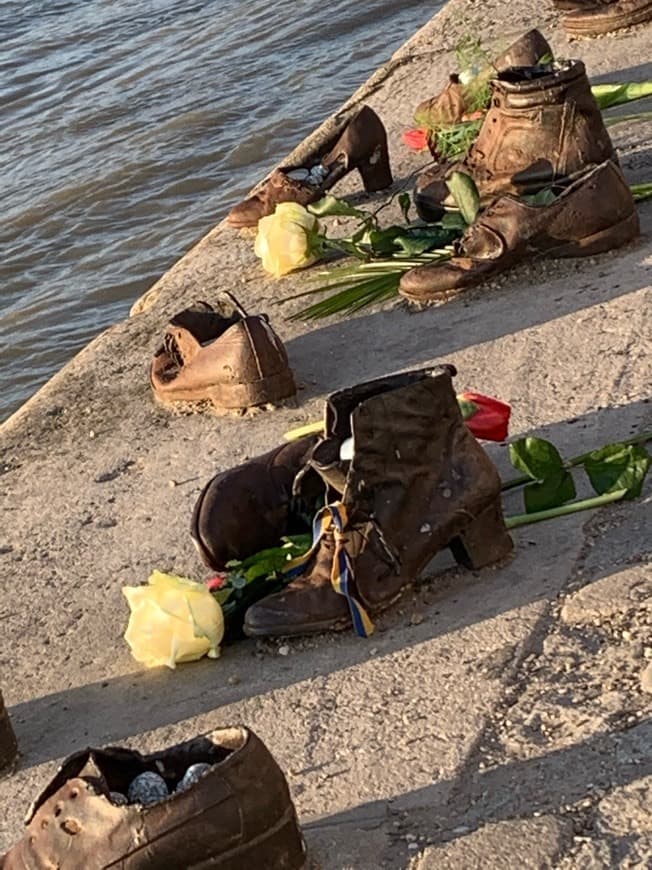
<point x="576" y="506"/>
<point x="575" y="461"/>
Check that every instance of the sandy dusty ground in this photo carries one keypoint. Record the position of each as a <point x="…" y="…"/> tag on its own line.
<point x="498" y="718"/>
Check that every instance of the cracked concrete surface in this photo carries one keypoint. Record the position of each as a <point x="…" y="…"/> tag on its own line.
<point x="497" y="718"/>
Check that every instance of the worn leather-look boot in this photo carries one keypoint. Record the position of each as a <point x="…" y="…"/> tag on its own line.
<point x="450" y="106"/>
<point x="251" y="507"/>
<point x="362" y="146"/>
<point x="238" y="814"/>
<point x="602" y="16"/>
<point x="594" y="214"/>
<point x="227" y="357"/>
<point x="418" y="482"/>
<point x="540" y="127"/>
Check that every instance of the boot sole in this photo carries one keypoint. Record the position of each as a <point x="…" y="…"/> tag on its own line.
<point x="269" y="390"/>
<point x="595" y="27"/>
<point x="485" y="541"/>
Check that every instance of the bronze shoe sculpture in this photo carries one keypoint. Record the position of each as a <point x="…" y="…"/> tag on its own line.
<point x="362" y="146"/>
<point x="251" y="507"/>
<point x="541" y="127"/>
<point x="226" y="357"/>
<point x="595" y="19"/>
<point x="418" y="482"/>
<point x="218" y="801"/>
<point x="593" y="214"/>
<point x="450" y="106"/>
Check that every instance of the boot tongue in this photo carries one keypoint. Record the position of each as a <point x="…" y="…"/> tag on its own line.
<point x="326" y="461"/>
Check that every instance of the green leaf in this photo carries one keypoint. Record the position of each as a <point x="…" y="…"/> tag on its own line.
<point x="618" y="466"/>
<point x="537" y="458"/>
<point x="404" y="202"/>
<point x="551" y="492"/>
<point x="614" y="94"/>
<point x="453" y="220"/>
<point x="222" y="596"/>
<point x="331" y="206"/>
<point x="465" y="194"/>
<point x="383" y="241"/>
<point x="543" y="197"/>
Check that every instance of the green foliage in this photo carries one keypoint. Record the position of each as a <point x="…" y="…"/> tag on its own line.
<point x="465" y="193"/>
<point x="555" y="489"/>
<point x="456" y="140"/>
<point x="616" y="467"/>
<point x="607" y="95"/>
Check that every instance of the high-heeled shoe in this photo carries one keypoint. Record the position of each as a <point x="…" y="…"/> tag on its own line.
<point x="418" y="482"/>
<point x="362" y="146"/>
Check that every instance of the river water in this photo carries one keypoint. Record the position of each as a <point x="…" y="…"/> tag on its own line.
<point x="129" y="127"/>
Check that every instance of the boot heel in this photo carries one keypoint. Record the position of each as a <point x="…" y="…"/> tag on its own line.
<point x="485" y="540"/>
<point x="375" y="170"/>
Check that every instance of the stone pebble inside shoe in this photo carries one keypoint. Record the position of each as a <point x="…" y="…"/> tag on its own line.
<point x="227" y="357"/>
<point x="218" y="801"/>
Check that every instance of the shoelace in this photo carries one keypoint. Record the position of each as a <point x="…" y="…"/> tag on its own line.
<point x="333" y="518"/>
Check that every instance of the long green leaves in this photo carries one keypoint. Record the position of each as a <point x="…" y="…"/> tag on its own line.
<point x="617" y="93"/>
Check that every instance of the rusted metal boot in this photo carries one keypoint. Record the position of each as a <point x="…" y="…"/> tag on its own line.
<point x="252" y="506"/>
<point x="541" y="127"/>
<point x="233" y="812"/>
<point x="8" y="744"/>
<point x="595" y="213"/>
<point x="418" y="482"/>
<point x="225" y="356"/>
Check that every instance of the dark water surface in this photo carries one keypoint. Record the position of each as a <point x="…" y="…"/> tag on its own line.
<point x="128" y="129"/>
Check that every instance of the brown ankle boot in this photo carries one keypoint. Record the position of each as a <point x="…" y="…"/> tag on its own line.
<point x="232" y="811"/>
<point x="418" y="482"/>
<point x="450" y="106"/>
<point x="541" y="127"/>
<point x="597" y="18"/>
<point x="227" y="357"/>
<point x="362" y="146"/>
<point x="251" y="507"/>
<point x="593" y="214"/>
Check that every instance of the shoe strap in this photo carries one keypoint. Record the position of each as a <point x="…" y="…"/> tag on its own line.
<point x="333" y="519"/>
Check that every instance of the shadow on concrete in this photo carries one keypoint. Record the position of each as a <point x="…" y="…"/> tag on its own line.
<point x="516" y="790"/>
<point x="412" y="337"/>
<point x="449" y="600"/>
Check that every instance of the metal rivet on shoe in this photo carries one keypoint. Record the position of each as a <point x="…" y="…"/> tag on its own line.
<point x="425" y="528"/>
<point x="71" y="826"/>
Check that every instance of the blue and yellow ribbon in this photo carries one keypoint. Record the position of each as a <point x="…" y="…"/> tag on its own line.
<point x="333" y="518"/>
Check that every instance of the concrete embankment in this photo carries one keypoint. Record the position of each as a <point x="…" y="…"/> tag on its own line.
<point x="497" y="718"/>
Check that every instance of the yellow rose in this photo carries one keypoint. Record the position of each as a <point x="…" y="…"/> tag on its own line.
<point x="284" y="240"/>
<point x="172" y="620"/>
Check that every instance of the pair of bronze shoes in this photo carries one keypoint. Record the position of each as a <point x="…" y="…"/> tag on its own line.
<point x="396" y="477"/>
<point x="546" y="172"/>
<point x="586" y="18"/>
